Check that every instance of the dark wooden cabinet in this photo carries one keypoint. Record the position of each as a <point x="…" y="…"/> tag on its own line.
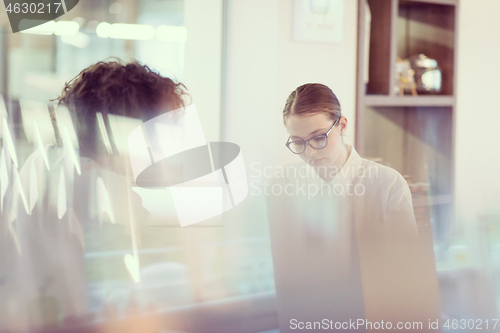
<point x="413" y="134"/>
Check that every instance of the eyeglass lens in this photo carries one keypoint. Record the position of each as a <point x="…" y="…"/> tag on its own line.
<point x="316" y="142"/>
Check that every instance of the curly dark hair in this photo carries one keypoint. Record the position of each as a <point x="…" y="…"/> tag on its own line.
<point x="114" y="87"/>
<point x="132" y="90"/>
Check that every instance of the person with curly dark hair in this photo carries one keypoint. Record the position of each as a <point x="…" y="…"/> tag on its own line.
<point x="114" y="87"/>
<point x="81" y="194"/>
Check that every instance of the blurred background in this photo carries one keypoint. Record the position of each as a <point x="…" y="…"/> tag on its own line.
<point x="240" y="60"/>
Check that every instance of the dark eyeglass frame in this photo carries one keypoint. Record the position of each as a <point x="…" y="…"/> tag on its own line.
<point x="306" y="142"/>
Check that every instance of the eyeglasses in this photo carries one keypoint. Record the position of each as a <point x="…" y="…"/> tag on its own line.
<point x="317" y="142"/>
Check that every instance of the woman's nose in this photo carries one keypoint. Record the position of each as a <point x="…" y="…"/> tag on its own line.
<point x="310" y="151"/>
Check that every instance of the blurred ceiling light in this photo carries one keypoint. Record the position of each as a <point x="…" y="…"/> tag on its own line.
<point x="132" y="31"/>
<point x="103" y="29"/>
<point x="125" y="31"/>
<point x="141" y="32"/>
<point x="115" y="8"/>
<point x="60" y="28"/>
<point x="66" y="28"/>
<point x="171" y="33"/>
<point x="79" y="40"/>
<point x="47" y="28"/>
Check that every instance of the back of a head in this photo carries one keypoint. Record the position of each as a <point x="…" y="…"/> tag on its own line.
<point x="114" y="87"/>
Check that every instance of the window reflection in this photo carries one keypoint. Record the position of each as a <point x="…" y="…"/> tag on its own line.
<point x="68" y="271"/>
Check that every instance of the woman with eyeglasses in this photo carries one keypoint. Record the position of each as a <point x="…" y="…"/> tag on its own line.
<point x="345" y="243"/>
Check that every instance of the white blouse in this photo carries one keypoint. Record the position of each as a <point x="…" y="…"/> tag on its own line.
<point x="350" y="248"/>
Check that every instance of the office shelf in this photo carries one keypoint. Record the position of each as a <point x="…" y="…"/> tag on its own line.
<point x="378" y="100"/>
<point x="413" y="134"/>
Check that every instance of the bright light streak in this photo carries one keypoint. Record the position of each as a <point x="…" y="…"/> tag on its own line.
<point x="171" y="33"/>
<point x="104" y="133"/>
<point x="4" y="178"/>
<point x="120" y="129"/>
<point x="61" y="196"/>
<point x="33" y="187"/>
<point x="20" y="190"/>
<point x="103" y="29"/>
<point x="132" y="31"/>
<point x="132" y="264"/>
<point x="125" y="31"/>
<point x="69" y="150"/>
<point x="34" y="112"/>
<point x="64" y="121"/>
<point x="9" y="143"/>
<point x="46" y="28"/>
<point x="141" y="32"/>
<point x="60" y="28"/>
<point x="66" y="28"/>
<point x="103" y="199"/>
<point x="3" y="113"/>
<point x="39" y="145"/>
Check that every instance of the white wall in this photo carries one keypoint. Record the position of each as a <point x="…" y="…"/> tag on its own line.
<point x="264" y="65"/>
<point x="478" y="112"/>
<point x="333" y="64"/>
<point x="203" y="21"/>
<point x="251" y="76"/>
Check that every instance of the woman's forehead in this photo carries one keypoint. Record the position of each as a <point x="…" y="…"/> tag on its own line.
<point x="303" y="126"/>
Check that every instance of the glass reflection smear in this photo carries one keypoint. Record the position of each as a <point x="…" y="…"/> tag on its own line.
<point x="83" y="245"/>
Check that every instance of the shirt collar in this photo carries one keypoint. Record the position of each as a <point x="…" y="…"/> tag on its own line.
<point x="348" y="171"/>
<point x="350" y="168"/>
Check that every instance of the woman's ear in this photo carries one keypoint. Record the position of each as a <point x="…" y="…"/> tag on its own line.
<point x="343" y="124"/>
